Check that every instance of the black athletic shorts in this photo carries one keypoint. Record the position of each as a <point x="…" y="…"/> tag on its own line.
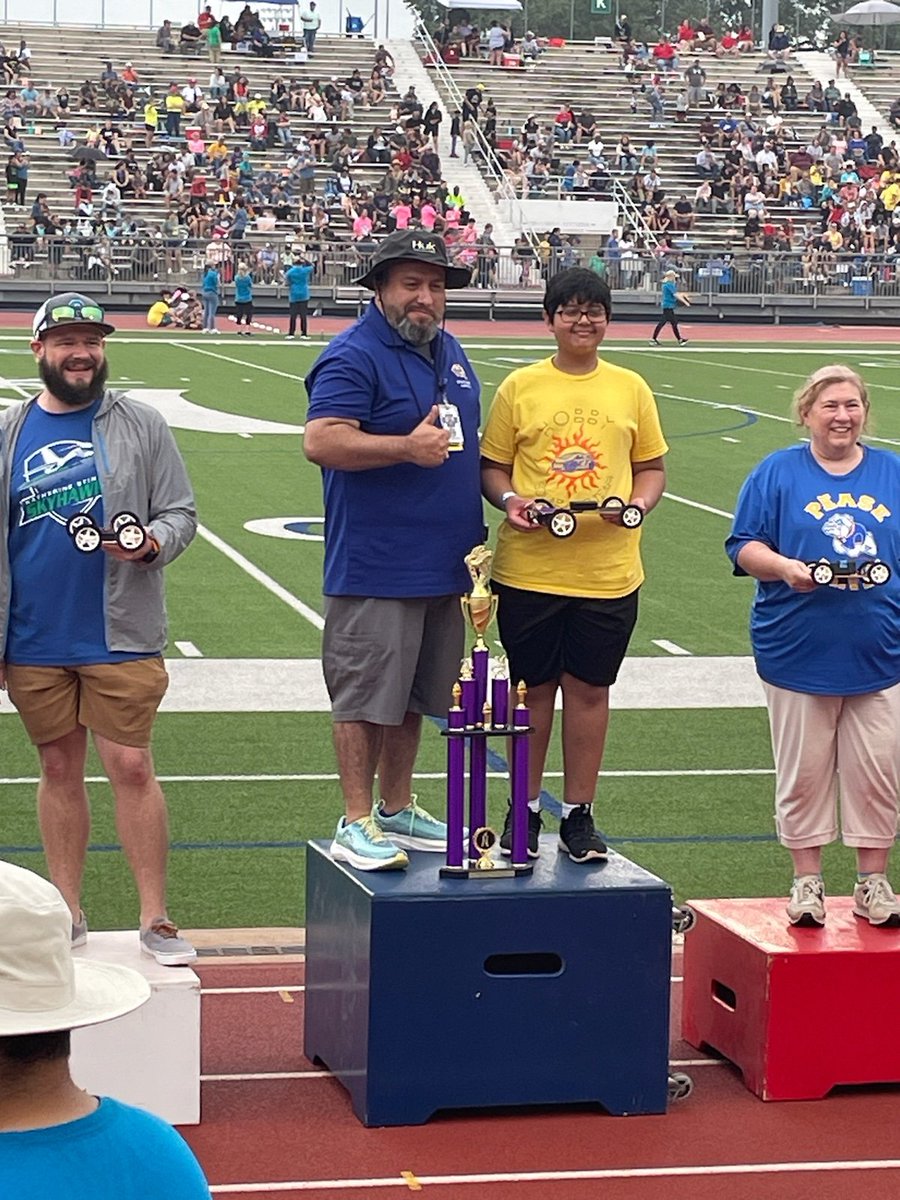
<point x="545" y="635"/>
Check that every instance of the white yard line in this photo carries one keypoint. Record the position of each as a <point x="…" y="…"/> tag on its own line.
<point x="240" y="362"/>
<point x="188" y="649"/>
<point x="669" y="647"/>
<point x="330" y="777"/>
<point x="717" y="512"/>
<point x="261" y="577"/>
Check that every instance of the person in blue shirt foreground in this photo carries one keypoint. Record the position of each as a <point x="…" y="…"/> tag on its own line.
<point x="56" y="1140"/>
<point x="828" y="656"/>
<point x="670" y="300"/>
<point x="402" y="509"/>
<point x="298" y="277"/>
<point x="243" y="299"/>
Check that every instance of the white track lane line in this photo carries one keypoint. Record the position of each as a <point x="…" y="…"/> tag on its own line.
<point x="522" y="1177"/>
<point x="670" y="647"/>
<point x="188" y="649"/>
<point x="251" y="991"/>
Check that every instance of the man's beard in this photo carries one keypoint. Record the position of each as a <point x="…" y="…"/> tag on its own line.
<point x="75" y="395"/>
<point x="417" y="333"/>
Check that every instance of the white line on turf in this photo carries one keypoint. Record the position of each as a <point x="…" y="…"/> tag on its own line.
<point x="188" y="649"/>
<point x="735" y="441"/>
<point x="261" y="577"/>
<point x="8" y="386"/>
<point x="725" y="772"/>
<point x="717" y="512"/>
<point x="524" y="1177"/>
<point x="669" y="647"/>
<point x="237" y="361"/>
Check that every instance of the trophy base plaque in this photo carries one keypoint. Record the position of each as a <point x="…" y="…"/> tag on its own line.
<point x="497" y="871"/>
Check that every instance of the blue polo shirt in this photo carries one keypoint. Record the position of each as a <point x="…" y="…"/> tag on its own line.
<point x="402" y="530"/>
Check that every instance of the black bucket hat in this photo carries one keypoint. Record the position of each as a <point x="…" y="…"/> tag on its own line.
<point x="414" y="245"/>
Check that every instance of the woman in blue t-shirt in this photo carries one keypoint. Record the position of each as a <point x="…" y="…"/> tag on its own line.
<point x="817" y="525"/>
<point x="210" y="292"/>
<point x="243" y="298"/>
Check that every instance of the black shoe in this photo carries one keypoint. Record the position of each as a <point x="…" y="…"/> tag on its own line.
<point x="535" y="825"/>
<point x="578" y="837"/>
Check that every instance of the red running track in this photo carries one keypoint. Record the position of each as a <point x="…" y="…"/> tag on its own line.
<point x="302" y="1130"/>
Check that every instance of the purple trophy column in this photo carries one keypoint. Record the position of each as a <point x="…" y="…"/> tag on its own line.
<point x="477" y="784"/>
<point x="480" y="661"/>
<point x="519" y="781"/>
<point x="500" y="702"/>
<point x="456" y="782"/>
<point x="469" y="705"/>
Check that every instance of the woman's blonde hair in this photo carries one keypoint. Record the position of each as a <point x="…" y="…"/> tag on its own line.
<point x="806" y="396"/>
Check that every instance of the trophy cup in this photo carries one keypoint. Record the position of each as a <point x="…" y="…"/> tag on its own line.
<point x="475" y="716"/>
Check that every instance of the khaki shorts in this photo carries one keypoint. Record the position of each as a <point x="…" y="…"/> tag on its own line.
<point x="116" y="700"/>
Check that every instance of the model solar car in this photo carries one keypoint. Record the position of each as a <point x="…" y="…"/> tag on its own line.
<point x="562" y="522"/>
<point x="874" y="572"/>
<point x="125" y="531"/>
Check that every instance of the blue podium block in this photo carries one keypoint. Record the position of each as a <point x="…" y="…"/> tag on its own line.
<point x="425" y="993"/>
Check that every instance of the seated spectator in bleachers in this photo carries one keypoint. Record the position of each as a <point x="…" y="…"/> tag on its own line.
<point x="584" y="124"/>
<point x="705" y="37"/>
<point x="664" y="55"/>
<point x="655" y="95"/>
<point x="815" y="98"/>
<point x="165" y="38"/>
<point x="706" y="165"/>
<point x="190" y="39"/>
<point x="626" y="158"/>
<point x="29" y="96"/>
<point x="779" y="44"/>
<point x="530" y="48"/>
<point x="683" y="216"/>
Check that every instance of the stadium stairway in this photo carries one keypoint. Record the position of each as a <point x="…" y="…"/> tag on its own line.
<point x="822" y="67"/>
<point x="480" y="201"/>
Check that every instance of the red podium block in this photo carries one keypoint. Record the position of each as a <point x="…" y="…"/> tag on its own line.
<point x="797" y="1010"/>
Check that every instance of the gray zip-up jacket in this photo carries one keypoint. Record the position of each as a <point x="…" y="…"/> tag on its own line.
<point x="141" y="471"/>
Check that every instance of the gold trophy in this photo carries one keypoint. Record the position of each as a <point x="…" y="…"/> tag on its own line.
<point x="480" y="605"/>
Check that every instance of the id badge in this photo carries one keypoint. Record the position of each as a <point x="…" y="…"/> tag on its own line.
<point x="450" y="420"/>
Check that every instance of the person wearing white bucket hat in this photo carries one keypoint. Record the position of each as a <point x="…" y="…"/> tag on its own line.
<point x="56" y="1140"/>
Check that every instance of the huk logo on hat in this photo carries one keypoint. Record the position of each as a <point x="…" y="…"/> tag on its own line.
<point x="424" y="247"/>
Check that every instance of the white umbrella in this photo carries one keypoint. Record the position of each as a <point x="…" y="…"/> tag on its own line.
<point x="870" y="12"/>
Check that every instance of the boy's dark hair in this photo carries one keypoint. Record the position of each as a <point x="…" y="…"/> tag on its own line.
<point x="579" y="284"/>
<point x="27" y="1048"/>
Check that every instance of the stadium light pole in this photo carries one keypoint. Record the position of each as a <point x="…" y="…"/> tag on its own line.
<point x="769" y="18"/>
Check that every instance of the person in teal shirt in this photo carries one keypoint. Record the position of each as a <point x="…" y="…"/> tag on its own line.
<point x="210" y="292"/>
<point x="671" y="298"/>
<point x="298" y="278"/>
<point x="243" y="298"/>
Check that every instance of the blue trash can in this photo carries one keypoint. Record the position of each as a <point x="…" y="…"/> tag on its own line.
<point x="353" y="25"/>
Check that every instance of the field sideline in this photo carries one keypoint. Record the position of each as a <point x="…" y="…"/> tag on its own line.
<point x="243" y="743"/>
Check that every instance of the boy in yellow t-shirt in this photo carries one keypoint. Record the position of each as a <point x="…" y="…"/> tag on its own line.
<point x="571" y="427"/>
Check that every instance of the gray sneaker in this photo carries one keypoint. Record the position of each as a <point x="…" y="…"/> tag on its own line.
<point x="806" y="905"/>
<point x="161" y="941"/>
<point x="79" y="930"/>
<point x="874" y="900"/>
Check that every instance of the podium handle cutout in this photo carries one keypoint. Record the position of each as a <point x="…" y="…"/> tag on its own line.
<point x="724" y="995"/>
<point x="534" y="963"/>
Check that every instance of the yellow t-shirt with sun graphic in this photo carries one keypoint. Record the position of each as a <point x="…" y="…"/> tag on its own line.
<point x="572" y="437"/>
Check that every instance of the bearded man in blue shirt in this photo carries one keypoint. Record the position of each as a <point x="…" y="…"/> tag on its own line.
<point x="393" y="423"/>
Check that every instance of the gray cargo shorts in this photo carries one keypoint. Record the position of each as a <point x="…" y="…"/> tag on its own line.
<point x="385" y="657"/>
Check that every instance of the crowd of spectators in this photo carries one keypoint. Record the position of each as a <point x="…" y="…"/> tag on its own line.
<point x="197" y="140"/>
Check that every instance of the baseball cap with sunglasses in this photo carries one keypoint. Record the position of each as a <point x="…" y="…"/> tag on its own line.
<point x="70" y="308"/>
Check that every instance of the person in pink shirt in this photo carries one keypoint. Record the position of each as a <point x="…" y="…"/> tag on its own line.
<point x="451" y="217"/>
<point x="362" y="225"/>
<point x="428" y="215"/>
<point x="402" y="214"/>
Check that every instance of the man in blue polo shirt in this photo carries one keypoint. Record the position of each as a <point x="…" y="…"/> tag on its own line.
<point x="393" y="422"/>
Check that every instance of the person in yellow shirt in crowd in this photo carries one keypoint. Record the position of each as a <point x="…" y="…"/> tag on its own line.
<point x="256" y="105"/>
<point x="890" y="196"/>
<point x="151" y="121"/>
<point x="175" y="106"/>
<point x="216" y="150"/>
<point x="570" y="427"/>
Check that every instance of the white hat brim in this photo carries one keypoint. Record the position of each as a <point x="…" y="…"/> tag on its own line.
<point x="103" y="991"/>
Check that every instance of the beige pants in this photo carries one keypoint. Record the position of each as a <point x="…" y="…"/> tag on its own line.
<point x="818" y="739"/>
